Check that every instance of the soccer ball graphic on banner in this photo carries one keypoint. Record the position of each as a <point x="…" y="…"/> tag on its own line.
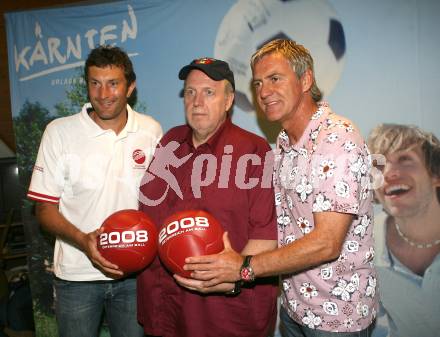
<point x="188" y="233"/>
<point x="129" y="240"/>
<point x="249" y="24"/>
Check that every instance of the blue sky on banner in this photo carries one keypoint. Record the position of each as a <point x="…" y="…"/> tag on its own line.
<point x="387" y="71"/>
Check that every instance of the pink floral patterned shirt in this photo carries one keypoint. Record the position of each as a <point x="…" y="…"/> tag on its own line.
<point x="327" y="170"/>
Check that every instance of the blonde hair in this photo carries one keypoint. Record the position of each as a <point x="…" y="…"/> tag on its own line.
<point x="389" y="138"/>
<point x="297" y="55"/>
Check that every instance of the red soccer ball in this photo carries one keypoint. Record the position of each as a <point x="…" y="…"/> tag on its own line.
<point x="129" y="240"/>
<point x="188" y="233"/>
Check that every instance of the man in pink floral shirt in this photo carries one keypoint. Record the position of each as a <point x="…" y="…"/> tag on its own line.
<point x="324" y="207"/>
<point x="326" y="171"/>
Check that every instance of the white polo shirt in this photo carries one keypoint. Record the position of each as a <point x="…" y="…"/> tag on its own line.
<point x="91" y="173"/>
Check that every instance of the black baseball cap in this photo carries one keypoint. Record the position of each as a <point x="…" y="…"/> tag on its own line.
<point x="216" y="69"/>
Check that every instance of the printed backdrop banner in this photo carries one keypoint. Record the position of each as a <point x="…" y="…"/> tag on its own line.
<point x="375" y="61"/>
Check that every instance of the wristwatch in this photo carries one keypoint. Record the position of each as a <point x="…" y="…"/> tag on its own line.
<point x="246" y="272"/>
<point x="247" y="275"/>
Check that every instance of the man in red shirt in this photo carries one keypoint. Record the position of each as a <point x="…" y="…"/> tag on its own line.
<point x="240" y="198"/>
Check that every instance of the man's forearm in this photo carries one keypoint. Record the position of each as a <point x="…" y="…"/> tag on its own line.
<point x="301" y="254"/>
<point x="320" y="246"/>
<point x="54" y="222"/>
<point x="258" y="246"/>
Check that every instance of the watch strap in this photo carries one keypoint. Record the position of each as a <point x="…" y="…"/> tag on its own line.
<point x="236" y="290"/>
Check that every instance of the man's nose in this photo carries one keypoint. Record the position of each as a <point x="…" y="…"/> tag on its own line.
<point x="198" y="99"/>
<point x="391" y="171"/>
<point x="104" y="91"/>
<point x="265" y="90"/>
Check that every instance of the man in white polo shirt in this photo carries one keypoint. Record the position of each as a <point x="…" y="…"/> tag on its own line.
<point x="89" y="166"/>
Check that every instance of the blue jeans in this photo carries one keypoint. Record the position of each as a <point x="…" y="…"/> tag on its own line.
<point x="289" y="328"/>
<point x="79" y="307"/>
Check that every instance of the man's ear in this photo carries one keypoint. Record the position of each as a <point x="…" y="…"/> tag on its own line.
<point x="436" y="181"/>
<point x="131" y="88"/>
<point x="229" y="101"/>
<point x="307" y="80"/>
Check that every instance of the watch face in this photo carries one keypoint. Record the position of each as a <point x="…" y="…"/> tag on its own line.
<point x="247" y="274"/>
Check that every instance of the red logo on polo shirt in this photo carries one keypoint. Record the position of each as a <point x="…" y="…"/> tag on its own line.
<point x="139" y="156"/>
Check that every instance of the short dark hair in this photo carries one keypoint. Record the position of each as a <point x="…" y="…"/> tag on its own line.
<point x="104" y="56"/>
